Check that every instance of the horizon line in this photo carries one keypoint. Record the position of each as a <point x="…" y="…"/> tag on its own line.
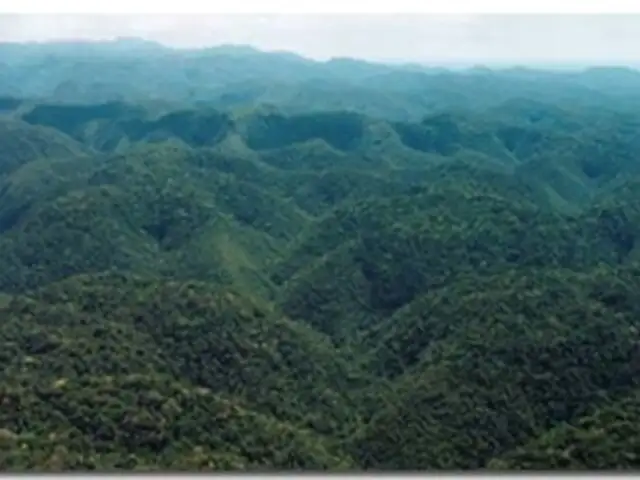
<point x="452" y="62"/>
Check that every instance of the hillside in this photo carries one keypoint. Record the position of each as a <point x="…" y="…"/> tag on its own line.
<point x="226" y="259"/>
<point x="602" y="440"/>
<point x="21" y="143"/>
<point x="179" y="351"/>
<point x="489" y="363"/>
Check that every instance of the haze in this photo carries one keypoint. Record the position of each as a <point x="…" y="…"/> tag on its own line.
<point x="522" y="39"/>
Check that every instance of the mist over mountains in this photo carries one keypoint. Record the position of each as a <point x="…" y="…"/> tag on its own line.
<point x="241" y="77"/>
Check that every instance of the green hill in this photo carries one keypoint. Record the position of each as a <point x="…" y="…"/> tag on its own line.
<point x="493" y="363"/>
<point x="367" y="260"/>
<point x="606" y="439"/>
<point x="21" y="143"/>
<point x="173" y="349"/>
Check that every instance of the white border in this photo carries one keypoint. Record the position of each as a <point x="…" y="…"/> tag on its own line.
<point x="321" y="6"/>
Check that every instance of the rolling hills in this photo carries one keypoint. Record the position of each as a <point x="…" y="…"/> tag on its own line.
<point x="373" y="268"/>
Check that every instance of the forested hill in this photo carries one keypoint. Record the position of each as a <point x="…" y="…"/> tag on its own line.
<point x="231" y="76"/>
<point x="235" y="260"/>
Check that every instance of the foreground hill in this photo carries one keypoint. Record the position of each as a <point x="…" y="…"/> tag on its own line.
<point x="606" y="439"/>
<point x="180" y="352"/>
<point x="488" y="364"/>
<point x="151" y="423"/>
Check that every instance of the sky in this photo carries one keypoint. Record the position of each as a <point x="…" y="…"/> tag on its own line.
<point x="423" y="38"/>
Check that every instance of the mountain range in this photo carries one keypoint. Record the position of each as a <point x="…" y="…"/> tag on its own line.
<point x="231" y="260"/>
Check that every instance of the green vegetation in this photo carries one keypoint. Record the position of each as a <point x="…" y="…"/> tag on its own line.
<point x="604" y="440"/>
<point x="317" y="266"/>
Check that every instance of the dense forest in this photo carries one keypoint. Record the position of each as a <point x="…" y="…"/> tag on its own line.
<point x="227" y="259"/>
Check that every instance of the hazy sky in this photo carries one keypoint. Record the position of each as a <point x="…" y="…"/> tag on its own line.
<point x="613" y="39"/>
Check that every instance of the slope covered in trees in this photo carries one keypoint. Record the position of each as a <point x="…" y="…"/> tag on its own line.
<point x="487" y="364"/>
<point x="605" y="439"/>
<point x="257" y="261"/>
<point x="110" y="371"/>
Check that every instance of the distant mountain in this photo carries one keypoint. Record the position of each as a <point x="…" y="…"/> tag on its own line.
<point x="238" y="76"/>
